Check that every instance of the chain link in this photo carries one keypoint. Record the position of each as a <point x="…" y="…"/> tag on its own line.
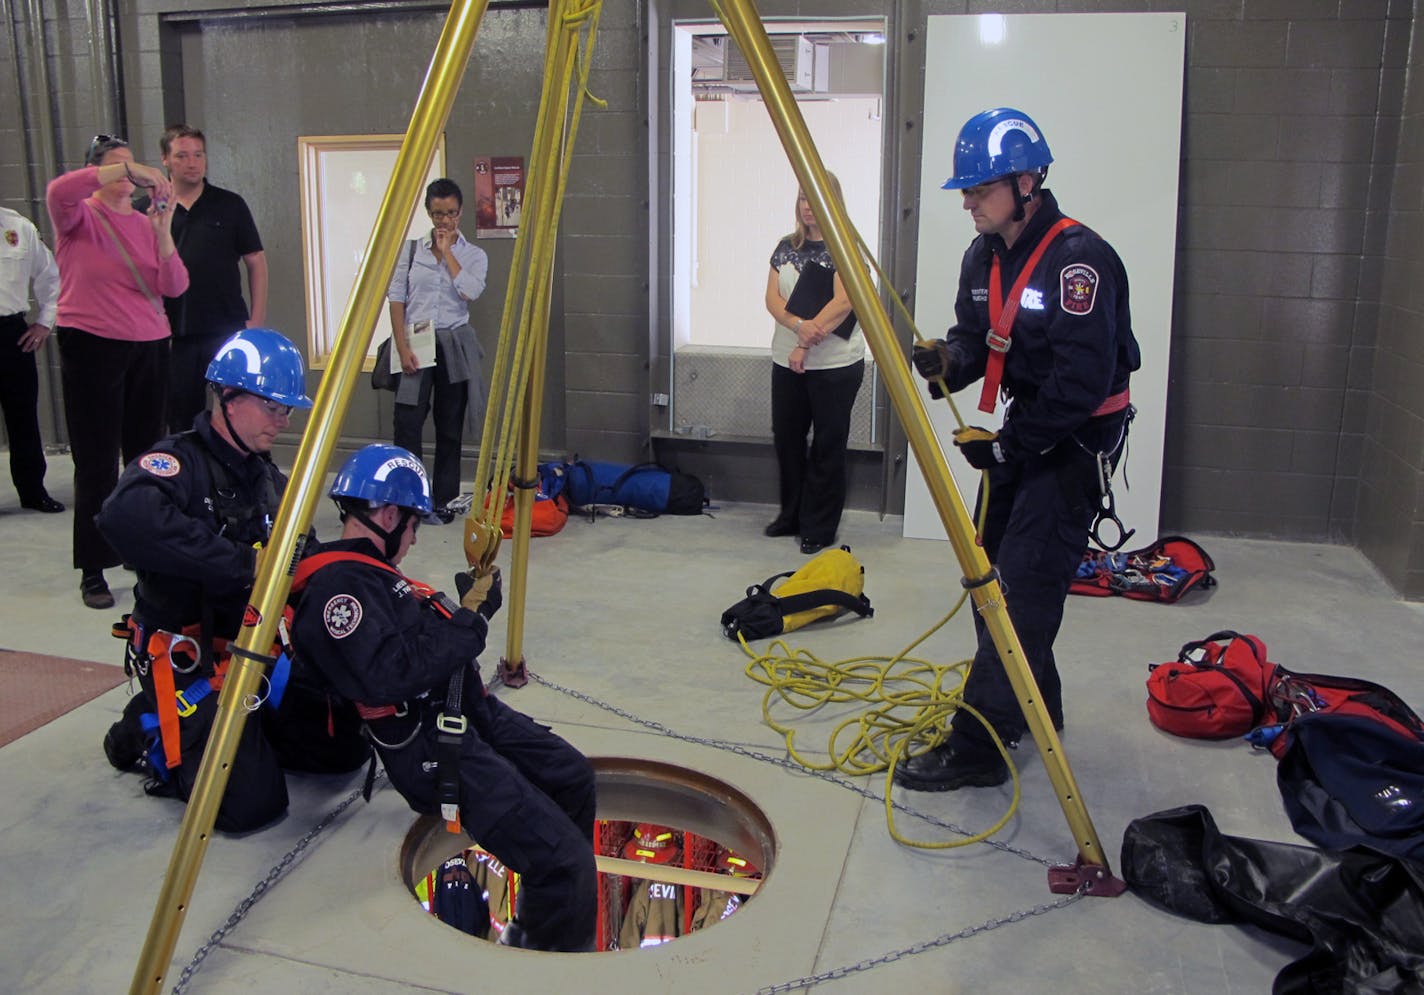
<point x="785" y="764"/>
<point x="891" y="956"/>
<point x="243" y="907"/>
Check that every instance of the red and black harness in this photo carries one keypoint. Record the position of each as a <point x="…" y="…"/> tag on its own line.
<point x="451" y="725"/>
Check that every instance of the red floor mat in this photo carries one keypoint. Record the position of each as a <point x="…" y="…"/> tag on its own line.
<point x="35" y="689"/>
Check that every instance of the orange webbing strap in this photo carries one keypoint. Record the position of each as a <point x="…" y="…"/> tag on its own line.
<point x="172" y="704"/>
<point x="166" y="694"/>
<point x="1003" y="312"/>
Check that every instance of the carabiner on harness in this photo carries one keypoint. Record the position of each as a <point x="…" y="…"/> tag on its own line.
<point x="1107" y="503"/>
<point x="1107" y="508"/>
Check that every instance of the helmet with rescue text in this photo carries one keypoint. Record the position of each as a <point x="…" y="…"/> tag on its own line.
<point x="380" y="474"/>
<point x="998" y="143"/>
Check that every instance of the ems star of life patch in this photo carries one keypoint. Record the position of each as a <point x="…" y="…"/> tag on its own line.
<point x="161" y="464"/>
<point x="342" y="614"/>
<point x="1079" y="288"/>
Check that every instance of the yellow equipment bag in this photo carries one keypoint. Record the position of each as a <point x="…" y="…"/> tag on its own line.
<point x="829" y="585"/>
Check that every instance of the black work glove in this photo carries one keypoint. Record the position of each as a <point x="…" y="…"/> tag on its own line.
<point x="981" y="447"/>
<point x="933" y="360"/>
<point x="483" y="593"/>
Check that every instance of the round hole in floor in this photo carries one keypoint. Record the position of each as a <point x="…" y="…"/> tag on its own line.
<point x="678" y="851"/>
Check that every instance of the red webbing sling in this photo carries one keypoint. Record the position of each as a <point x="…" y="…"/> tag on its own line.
<point x="1002" y="313"/>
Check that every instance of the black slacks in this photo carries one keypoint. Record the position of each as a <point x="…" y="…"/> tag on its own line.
<point x="813" y="478"/>
<point x="187" y="378"/>
<point x="19" y="401"/>
<point x="115" y="397"/>
<point x="450" y="402"/>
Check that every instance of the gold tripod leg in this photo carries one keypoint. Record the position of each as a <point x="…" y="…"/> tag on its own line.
<point x="1091" y="873"/>
<point x="274" y="575"/>
<point x="539" y="225"/>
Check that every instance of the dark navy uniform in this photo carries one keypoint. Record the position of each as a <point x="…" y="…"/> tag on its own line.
<point x="525" y="795"/>
<point x="1072" y="349"/>
<point x="185" y="516"/>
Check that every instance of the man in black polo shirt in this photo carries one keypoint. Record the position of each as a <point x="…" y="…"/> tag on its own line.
<point x="214" y="232"/>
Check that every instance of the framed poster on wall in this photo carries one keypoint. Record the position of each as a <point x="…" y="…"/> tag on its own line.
<point x="344" y="179"/>
<point x="499" y="195"/>
<point x="1106" y="89"/>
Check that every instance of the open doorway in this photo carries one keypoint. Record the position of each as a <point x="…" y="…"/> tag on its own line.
<point x="733" y="198"/>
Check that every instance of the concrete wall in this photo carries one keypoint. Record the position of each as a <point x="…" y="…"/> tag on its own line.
<point x="1389" y="514"/>
<point x="1297" y="376"/>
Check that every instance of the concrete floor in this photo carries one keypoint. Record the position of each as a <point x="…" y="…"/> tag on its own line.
<point x="626" y="612"/>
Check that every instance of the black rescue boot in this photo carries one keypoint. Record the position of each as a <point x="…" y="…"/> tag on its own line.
<point x="124" y="743"/>
<point x="123" y="748"/>
<point x="951" y="766"/>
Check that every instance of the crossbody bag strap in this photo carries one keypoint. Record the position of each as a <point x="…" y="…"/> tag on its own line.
<point x="128" y="260"/>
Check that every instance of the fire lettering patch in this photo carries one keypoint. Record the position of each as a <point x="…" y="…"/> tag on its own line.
<point x="342" y="614"/>
<point x="1079" y="288"/>
<point x="161" y="464"/>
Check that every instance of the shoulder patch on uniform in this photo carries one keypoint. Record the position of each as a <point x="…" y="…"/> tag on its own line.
<point x="342" y="614"/>
<point x="1079" y="288"/>
<point x="161" y="464"/>
<point x="12" y="237"/>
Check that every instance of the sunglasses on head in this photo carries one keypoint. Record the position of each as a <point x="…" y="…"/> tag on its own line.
<point x="100" y="144"/>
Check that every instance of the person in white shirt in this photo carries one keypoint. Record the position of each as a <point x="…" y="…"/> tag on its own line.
<point x="25" y="262"/>
<point x="435" y="279"/>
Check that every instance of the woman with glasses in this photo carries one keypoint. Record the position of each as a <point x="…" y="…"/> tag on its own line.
<point x="435" y="279"/>
<point x="116" y="265"/>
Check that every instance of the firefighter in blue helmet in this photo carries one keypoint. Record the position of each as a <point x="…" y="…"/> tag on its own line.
<point x="1042" y="316"/>
<point x="189" y="516"/>
<point x="406" y="655"/>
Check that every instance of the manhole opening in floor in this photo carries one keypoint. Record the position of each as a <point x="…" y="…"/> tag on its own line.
<point x="677" y="851"/>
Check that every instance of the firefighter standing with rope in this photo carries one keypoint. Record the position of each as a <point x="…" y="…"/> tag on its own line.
<point x="1041" y="312"/>
<point x="406" y="654"/>
<point x="189" y="516"/>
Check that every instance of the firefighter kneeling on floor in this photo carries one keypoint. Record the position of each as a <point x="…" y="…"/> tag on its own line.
<point x="406" y="655"/>
<point x="188" y="516"/>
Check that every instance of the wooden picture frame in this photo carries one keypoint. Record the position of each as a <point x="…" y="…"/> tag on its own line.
<point x="343" y="179"/>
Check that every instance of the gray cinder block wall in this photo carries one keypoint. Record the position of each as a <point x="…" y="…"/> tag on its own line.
<point x="1297" y="371"/>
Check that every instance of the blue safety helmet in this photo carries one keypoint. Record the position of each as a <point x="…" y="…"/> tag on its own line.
<point x="382" y="474"/>
<point x="264" y="362"/>
<point x="997" y="143"/>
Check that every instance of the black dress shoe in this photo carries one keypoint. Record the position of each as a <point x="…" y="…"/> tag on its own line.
<point x="946" y="768"/>
<point x="43" y="503"/>
<point x="809" y="546"/>
<point x="95" y="591"/>
<point x="781" y="527"/>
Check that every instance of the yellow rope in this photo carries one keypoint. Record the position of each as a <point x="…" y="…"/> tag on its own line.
<point x="906" y="701"/>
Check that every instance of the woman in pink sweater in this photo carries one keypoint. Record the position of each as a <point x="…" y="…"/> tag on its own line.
<point x="116" y="265"/>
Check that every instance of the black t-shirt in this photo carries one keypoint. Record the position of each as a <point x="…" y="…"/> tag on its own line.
<point x="212" y="237"/>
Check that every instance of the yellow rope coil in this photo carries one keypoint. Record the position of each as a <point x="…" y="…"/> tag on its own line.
<point x="906" y="704"/>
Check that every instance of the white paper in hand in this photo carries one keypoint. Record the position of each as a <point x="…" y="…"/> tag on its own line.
<point x="420" y="337"/>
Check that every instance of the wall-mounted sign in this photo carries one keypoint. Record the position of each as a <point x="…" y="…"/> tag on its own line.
<point x="499" y="195"/>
